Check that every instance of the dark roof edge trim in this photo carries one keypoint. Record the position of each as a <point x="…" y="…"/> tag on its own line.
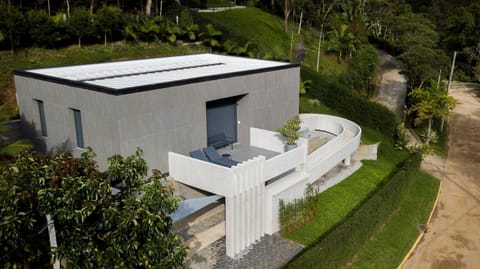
<point x="111" y="91"/>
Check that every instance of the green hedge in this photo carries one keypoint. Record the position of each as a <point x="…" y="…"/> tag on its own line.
<point x="350" y="104"/>
<point x="337" y="247"/>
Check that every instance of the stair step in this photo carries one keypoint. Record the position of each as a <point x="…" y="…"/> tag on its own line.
<point x="200" y="221"/>
<point x="204" y="238"/>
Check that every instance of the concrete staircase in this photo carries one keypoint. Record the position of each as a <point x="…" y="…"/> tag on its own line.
<point x="202" y="228"/>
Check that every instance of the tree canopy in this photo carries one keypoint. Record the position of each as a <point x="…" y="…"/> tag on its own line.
<point x="95" y="226"/>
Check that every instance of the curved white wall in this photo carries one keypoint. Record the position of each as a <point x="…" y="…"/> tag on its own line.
<point x="252" y="207"/>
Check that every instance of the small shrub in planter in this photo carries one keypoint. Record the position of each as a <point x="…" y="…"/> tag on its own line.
<point x="290" y="130"/>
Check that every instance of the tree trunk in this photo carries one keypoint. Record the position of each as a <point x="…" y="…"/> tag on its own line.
<point x="48" y="5"/>
<point x="161" y="8"/>
<point x="320" y="37"/>
<point x="79" y="43"/>
<point x="11" y="44"/>
<point x="429" y="131"/>
<point x="148" y="8"/>
<point x="105" y="38"/>
<point x="300" y="23"/>
<point x="286" y="13"/>
<point x="91" y="6"/>
<point x="52" y="235"/>
<point x="68" y="8"/>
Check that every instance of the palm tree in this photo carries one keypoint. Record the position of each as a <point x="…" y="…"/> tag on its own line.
<point x="150" y="27"/>
<point x="9" y="149"/>
<point x="429" y="103"/>
<point x="342" y="42"/>
<point x="210" y="36"/>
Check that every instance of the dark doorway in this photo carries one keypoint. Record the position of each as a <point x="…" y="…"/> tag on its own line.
<point x="222" y="122"/>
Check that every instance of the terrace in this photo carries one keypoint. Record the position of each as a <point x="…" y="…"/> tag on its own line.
<point x="251" y="206"/>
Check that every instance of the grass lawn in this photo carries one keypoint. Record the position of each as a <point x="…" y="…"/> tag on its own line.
<point x="392" y="242"/>
<point x="267" y="32"/>
<point x="37" y="58"/>
<point x="341" y="200"/>
<point x="210" y="3"/>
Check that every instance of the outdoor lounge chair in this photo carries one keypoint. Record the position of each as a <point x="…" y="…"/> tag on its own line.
<point x="214" y="157"/>
<point x="199" y="155"/>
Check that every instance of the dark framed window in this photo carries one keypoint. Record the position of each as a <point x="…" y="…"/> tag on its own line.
<point x="77" y="116"/>
<point x="41" y="113"/>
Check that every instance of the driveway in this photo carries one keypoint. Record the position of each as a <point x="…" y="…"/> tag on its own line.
<point x="453" y="237"/>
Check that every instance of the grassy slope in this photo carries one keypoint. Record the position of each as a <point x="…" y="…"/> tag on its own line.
<point x="339" y="201"/>
<point x="263" y="29"/>
<point x="267" y="32"/>
<point x="392" y="242"/>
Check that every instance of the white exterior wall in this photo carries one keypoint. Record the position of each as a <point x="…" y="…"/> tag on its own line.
<point x="244" y="188"/>
<point x="157" y="121"/>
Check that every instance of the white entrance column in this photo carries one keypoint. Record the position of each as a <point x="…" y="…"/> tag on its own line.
<point x="244" y="211"/>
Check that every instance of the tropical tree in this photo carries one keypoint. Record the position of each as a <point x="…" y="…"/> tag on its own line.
<point x="429" y="103"/>
<point x="80" y="24"/>
<point x="95" y="227"/>
<point x="342" y="42"/>
<point x="150" y="28"/>
<point x="108" y="19"/>
<point x="11" y="25"/>
<point x="211" y="36"/>
<point x="171" y="31"/>
<point x="324" y="8"/>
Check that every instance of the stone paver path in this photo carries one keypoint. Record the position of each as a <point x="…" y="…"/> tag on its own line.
<point x="271" y="252"/>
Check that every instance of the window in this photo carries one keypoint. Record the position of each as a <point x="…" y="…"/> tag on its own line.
<point x="78" y="127"/>
<point x="41" y="113"/>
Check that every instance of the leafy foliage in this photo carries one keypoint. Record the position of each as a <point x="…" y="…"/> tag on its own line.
<point x="429" y="103"/>
<point x="95" y="228"/>
<point x="80" y="24"/>
<point x="342" y="42"/>
<point x="290" y="130"/>
<point x="295" y="214"/>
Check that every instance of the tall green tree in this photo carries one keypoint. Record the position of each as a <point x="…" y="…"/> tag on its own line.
<point x="211" y="36"/>
<point x="342" y="42"/>
<point x="12" y="25"/>
<point x="80" y="24"/>
<point x="429" y="103"/>
<point x="108" y="20"/>
<point x="95" y="228"/>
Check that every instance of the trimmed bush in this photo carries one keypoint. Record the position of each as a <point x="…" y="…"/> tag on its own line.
<point x="295" y="214"/>
<point x="337" y="247"/>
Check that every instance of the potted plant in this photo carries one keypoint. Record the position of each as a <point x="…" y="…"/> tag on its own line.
<point x="290" y="132"/>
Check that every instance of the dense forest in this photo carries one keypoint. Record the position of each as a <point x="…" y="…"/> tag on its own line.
<point x="423" y="34"/>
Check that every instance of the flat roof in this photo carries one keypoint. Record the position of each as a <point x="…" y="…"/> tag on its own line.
<point x="148" y="74"/>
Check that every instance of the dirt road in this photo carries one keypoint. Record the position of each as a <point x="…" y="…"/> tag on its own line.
<point x="453" y="237"/>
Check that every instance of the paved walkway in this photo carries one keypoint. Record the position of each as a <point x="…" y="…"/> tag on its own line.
<point x="270" y="253"/>
<point x="453" y="237"/>
<point x="392" y="88"/>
